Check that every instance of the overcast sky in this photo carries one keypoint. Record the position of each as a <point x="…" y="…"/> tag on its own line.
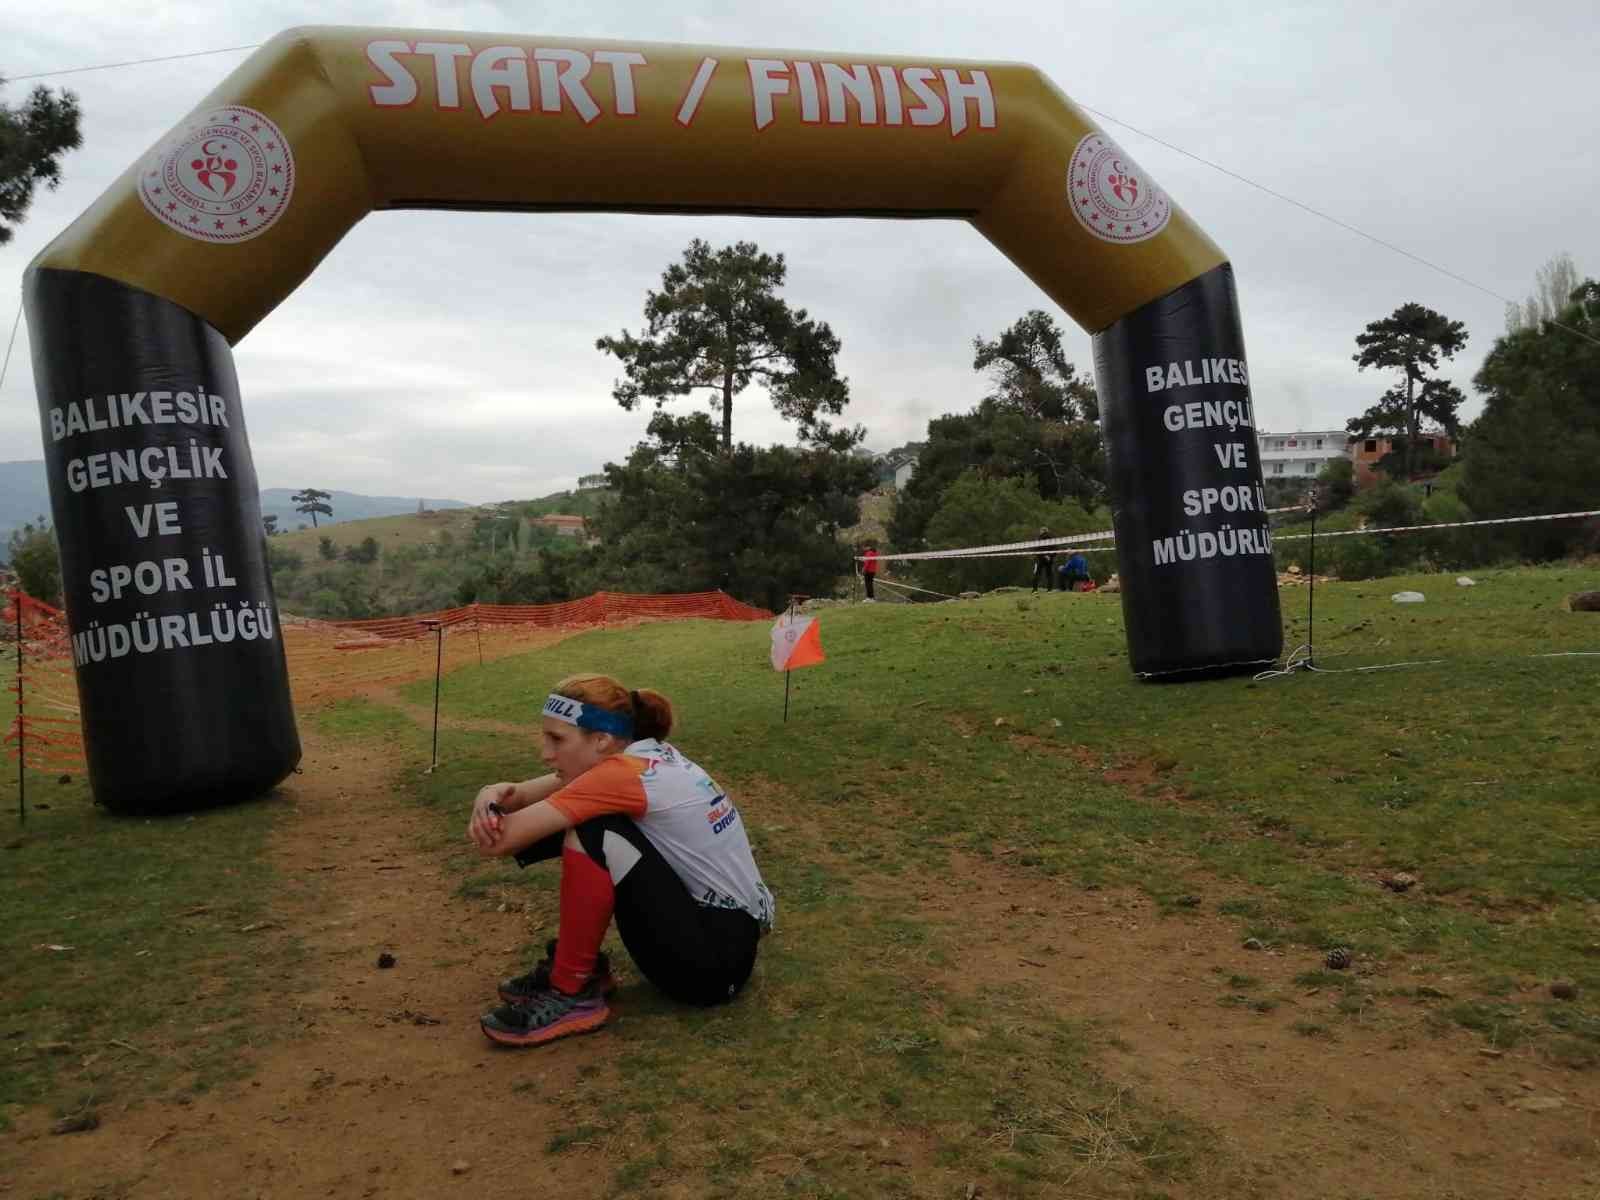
<point x="451" y="355"/>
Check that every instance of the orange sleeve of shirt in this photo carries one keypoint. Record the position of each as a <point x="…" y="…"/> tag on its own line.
<point x="612" y="786"/>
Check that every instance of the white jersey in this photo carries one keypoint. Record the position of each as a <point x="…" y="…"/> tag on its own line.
<point x="685" y="815"/>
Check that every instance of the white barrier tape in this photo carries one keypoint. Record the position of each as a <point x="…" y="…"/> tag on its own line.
<point x="981" y="552"/>
<point x="1568" y="516"/>
<point x="1024" y="553"/>
<point x="1035" y="547"/>
<point x="1055" y="545"/>
<point x="1013" y="549"/>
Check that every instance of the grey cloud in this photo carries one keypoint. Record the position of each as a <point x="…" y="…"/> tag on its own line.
<point x="452" y="354"/>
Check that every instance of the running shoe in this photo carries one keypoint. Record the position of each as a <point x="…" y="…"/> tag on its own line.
<point x="546" y="1017"/>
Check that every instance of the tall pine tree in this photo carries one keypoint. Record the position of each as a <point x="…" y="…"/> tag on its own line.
<point x="1410" y="340"/>
<point x="33" y="138"/>
<point x="718" y="325"/>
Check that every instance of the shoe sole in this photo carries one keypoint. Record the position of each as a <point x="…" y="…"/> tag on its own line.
<point x="586" y="1023"/>
<point x="607" y="986"/>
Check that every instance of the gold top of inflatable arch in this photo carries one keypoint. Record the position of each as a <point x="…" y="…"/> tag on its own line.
<point x="322" y="125"/>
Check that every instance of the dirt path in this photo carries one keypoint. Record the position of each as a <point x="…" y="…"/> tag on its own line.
<point x="384" y="1088"/>
<point x="384" y="1085"/>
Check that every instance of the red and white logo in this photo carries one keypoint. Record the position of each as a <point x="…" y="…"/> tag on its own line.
<point x="225" y="177"/>
<point x="1111" y="195"/>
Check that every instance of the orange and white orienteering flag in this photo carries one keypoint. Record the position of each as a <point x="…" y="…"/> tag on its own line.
<point x="796" y="642"/>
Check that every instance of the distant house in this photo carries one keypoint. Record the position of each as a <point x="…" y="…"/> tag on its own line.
<point x="1302" y="454"/>
<point x="904" y="472"/>
<point x="562" y="523"/>
<point x="590" y="483"/>
<point x="1366" y="453"/>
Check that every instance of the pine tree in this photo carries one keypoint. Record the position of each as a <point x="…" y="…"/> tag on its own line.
<point x="1410" y="339"/>
<point x="33" y="138"/>
<point x="717" y="324"/>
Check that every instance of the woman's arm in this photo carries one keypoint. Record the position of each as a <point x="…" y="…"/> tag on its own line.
<point x="521" y="829"/>
<point x="484" y="825"/>
<point x="531" y="791"/>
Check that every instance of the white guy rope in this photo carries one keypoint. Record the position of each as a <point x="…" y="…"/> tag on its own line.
<point x="913" y="588"/>
<point x="1567" y="516"/>
<point x="7" y="364"/>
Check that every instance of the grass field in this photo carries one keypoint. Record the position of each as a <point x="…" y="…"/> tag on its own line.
<point x="1475" y="773"/>
<point x="937" y="739"/>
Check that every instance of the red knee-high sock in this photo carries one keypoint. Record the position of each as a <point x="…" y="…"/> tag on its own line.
<point x="587" y="900"/>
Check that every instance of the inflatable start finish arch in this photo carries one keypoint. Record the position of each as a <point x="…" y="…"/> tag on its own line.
<point x="134" y="308"/>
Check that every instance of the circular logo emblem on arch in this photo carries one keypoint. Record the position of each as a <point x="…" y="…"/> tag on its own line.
<point x="1111" y="195"/>
<point x="225" y="177"/>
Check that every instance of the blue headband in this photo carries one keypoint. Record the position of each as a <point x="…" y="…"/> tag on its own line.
<point x="588" y="716"/>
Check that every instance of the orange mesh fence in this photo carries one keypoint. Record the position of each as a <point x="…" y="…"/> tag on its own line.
<point x="332" y="660"/>
<point x="44" y="728"/>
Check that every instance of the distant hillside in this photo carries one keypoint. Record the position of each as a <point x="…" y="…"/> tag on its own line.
<point x="579" y="504"/>
<point x="409" y="529"/>
<point x="347" y="506"/>
<point x="24" y="497"/>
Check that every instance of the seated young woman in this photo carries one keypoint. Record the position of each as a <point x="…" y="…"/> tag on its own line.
<point x="644" y="836"/>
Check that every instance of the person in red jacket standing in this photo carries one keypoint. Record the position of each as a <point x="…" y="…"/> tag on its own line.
<point x="869" y="569"/>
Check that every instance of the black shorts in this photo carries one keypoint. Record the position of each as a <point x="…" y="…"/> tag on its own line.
<point x="694" y="953"/>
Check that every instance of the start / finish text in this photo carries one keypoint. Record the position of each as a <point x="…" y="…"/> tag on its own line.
<point x="558" y="80"/>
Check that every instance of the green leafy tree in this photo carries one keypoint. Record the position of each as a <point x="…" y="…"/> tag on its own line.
<point x="1336" y="484"/>
<point x="718" y="324"/>
<point x="282" y="563"/>
<point x="1405" y="460"/>
<point x="545" y="578"/>
<point x="269" y="523"/>
<point x="978" y="510"/>
<point x="1410" y="340"/>
<point x="1390" y="505"/>
<point x="313" y="501"/>
<point x="759" y="523"/>
<point x="36" y="561"/>
<point x="1039" y="424"/>
<point x="364" y="552"/>
<point x="1031" y="373"/>
<point x="33" y="138"/>
<point x="1535" y="446"/>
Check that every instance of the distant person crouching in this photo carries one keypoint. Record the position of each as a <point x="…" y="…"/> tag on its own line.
<point x="1075" y="571"/>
